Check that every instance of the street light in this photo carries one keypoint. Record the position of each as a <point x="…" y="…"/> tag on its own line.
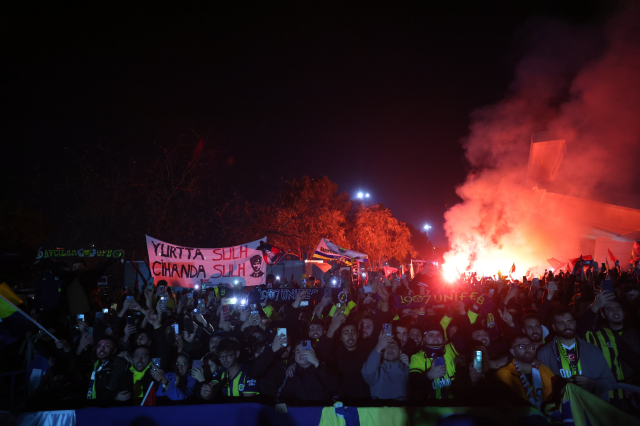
<point x="360" y="195"/>
<point x="367" y="195"/>
<point x="426" y="228"/>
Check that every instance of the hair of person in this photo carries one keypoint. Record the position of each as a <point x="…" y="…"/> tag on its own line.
<point x="347" y="323"/>
<point x="405" y="322"/>
<point x="477" y="326"/>
<point x="111" y="339"/>
<point x="147" y="348"/>
<point x="228" y="345"/>
<point x="271" y="277"/>
<point x="513" y="339"/>
<point x="81" y="262"/>
<point x="417" y="327"/>
<point x="186" y="355"/>
<point x="162" y="283"/>
<point x="317" y="321"/>
<point x="558" y="312"/>
<point x="364" y="317"/>
<point x="211" y="356"/>
<point x="529" y="316"/>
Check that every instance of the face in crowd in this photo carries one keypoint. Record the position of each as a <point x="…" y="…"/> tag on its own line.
<point x="228" y="359"/>
<point x="433" y="338"/>
<point x="416" y="335"/>
<point x="349" y="336"/>
<point x="104" y="349"/>
<point x="613" y="312"/>
<point x="392" y="352"/>
<point x="315" y="331"/>
<point x="481" y="336"/>
<point x="533" y="329"/>
<point x="523" y="350"/>
<point x="300" y="357"/>
<point x="143" y="340"/>
<point x="366" y="327"/>
<point x="141" y="358"/>
<point x="182" y="365"/>
<point x="565" y="325"/>
<point x="402" y="333"/>
<point x="213" y="343"/>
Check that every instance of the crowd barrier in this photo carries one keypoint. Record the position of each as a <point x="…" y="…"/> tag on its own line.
<point x="249" y="414"/>
<point x="579" y="408"/>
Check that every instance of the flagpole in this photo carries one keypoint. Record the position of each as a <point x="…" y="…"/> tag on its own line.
<point x="29" y="318"/>
<point x="147" y="394"/>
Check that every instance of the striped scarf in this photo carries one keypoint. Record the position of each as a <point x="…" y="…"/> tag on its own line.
<point x="534" y="393"/>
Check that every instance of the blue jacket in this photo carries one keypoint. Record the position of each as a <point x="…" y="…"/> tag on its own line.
<point x="175" y="392"/>
<point x="387" y="380"/>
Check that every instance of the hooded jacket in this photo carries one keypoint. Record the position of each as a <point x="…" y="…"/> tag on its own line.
<point x="387" y="380"/>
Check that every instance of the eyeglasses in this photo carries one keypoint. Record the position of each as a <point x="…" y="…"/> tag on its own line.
<point x="523" y="347"/>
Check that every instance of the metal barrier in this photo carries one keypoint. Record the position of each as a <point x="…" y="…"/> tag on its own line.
<point x="12" y="395"/>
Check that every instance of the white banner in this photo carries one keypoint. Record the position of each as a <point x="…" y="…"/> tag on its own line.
<point x="187" y="266"/>
<point x="330" y="251"/>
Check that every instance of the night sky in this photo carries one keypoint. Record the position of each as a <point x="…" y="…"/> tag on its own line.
<point x="377" y="99"/>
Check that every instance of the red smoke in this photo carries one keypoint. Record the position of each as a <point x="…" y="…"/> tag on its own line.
<point x="578" y="84"/>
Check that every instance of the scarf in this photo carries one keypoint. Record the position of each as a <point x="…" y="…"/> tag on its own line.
<point x="138" y="391"/>
<point x="566" y="368"/>
<point x="91" y="394"/>
<point x="534" y="393"/>
<point x="433" y="351"/>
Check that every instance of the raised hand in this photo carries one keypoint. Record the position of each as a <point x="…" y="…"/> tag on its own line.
<point x="602" y="299"/>
<point x="506" y="317"/>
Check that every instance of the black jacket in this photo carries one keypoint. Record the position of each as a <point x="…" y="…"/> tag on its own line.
<point x="309" y="384"/>
<point x="349" y="363"/>
<point x="271" y="370"/>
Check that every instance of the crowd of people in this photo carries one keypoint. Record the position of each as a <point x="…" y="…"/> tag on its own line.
<point x="515" y="342"/>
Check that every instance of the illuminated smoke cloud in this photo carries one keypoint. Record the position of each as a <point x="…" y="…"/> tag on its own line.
<point x="577" y="84"/>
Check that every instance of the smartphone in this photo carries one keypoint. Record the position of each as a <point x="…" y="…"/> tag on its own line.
<point x="149" y="286"/>
<point x="89" y="331"/>
<point x="304" y="303"/>
<point x="226" y="312"/>
<point x="306" y="345"/>
<point x="607" y="285"/>
<point x="105" y="311"/>
<point x="156" y="362"/>
<point x="189" y="295"/>
<point x="80" y="317"/>
<point x="102" y="281"/>
<point x="388" y="329"/>
<point x="477" y="362"/>
<point x="189" y="326"/>
<point x="282" y="332"/>
<point x="129" y="298"/>
<point x="176" y="329"/>
<point x="491" y="290"/>
<point x="586" y="262"/>
<point x="197" y="363"/>
<point x="114" y="306"/>
<point x="99" y="316"/>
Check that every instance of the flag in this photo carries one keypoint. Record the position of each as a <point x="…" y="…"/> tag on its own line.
<point x="572" y="262"/>
<point x="613" y="258"/>
<point x="635" y="251"/>
<point x="270" y="253"/>
<point x="411" y="272"/>
<point x="513" y="269"/>
<point x="532" y="271"/>
<point x="421" y="264"/>
<point x="555" y="263"/>
<point x="328" y="250"/>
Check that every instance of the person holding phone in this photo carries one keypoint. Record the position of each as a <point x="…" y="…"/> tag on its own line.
<point x="387" y="370"/>
<point x="311" y="380"/>
<point x="178" y="385"/>
<point x="432" y="370"/>
<point x="233" y="379"/>
<point x="526" y="378"/>
<point x="271" y="365"/>
<point x="617" y="341"/>
<point x="574" y="359"/>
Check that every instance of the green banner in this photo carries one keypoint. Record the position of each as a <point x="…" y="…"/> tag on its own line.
<point x="45" y="254"/>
